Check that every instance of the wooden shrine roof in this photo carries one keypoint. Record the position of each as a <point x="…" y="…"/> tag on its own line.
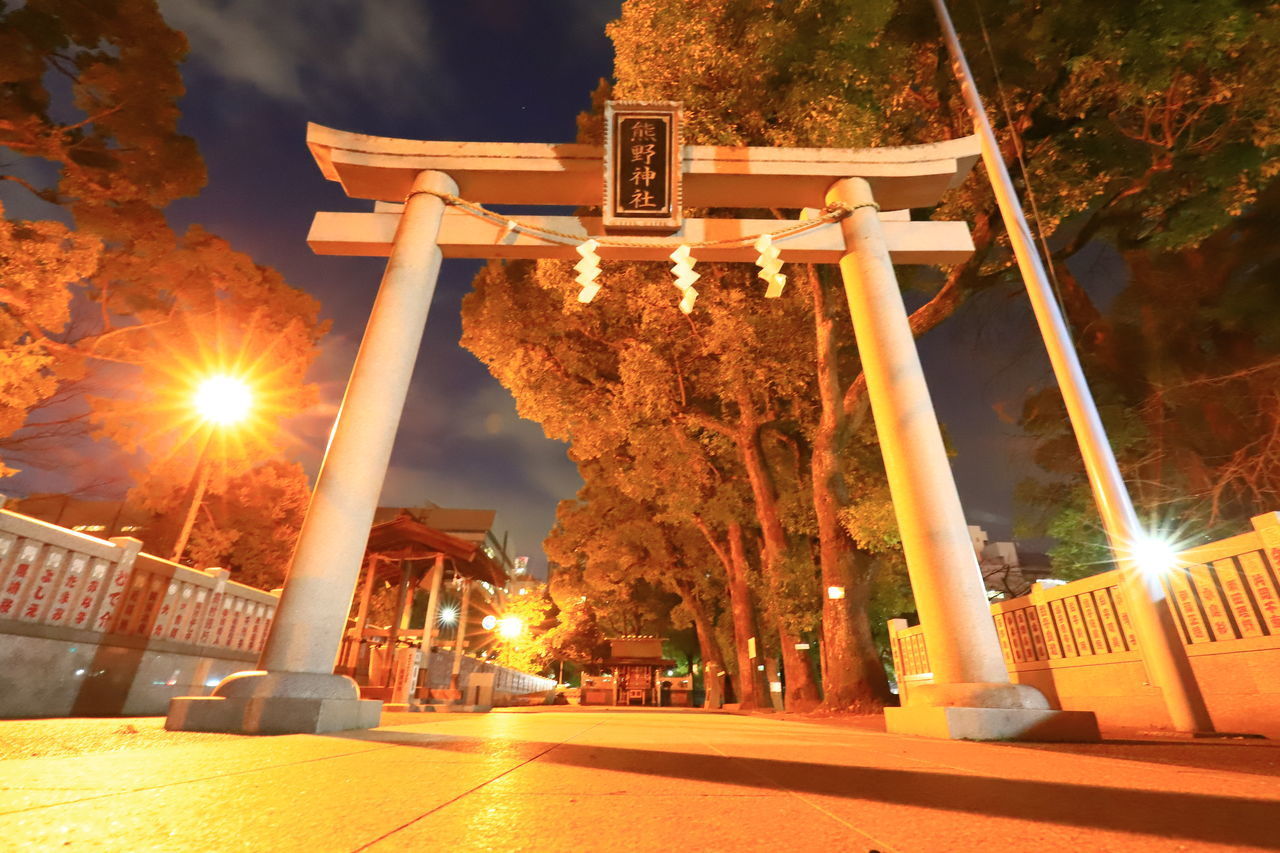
<point x="405" y="538"/>
<point x="656" y="663"/>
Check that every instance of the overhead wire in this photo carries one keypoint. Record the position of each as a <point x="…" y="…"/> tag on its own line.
<point x="833" y="212"/>
<point x="1020" y="155"/>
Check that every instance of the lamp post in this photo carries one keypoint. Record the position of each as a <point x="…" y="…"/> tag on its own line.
<point x="220" y="401"/>
<point x="510" y="627"/>
<point x="1142" y="560"/>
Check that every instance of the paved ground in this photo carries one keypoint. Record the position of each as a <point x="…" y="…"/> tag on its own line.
<point x="558" y="779"/>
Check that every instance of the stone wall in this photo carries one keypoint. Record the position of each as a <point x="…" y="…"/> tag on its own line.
<point x="90" y="627"/>
<point x="1076" y="644"/>
<point x="508" y="684"/>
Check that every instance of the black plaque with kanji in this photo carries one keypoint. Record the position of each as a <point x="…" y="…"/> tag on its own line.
<point x="642" y="166"/>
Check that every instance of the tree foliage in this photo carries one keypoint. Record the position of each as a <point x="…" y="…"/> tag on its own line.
<point x="1150" y="130"/>
<point x="109" y="316"/>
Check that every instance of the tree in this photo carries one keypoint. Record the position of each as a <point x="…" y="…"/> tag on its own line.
<point x="36" y="259"/>
<point x="247" y="523"/>
<point x="603" y="376"/>
<point x="107" y="317"/>
<point x="576" y="636"/>
<point x="621" y="544"/>
<point x="1191" y="404"/>
<point x="528" y="651"/>
<point x="1149" y="130"/>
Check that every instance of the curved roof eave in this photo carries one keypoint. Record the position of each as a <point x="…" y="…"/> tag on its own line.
<point x="382" y="169"/>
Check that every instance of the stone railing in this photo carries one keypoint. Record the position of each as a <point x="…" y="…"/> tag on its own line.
<point x="63" y="591"/>
<point x="434" y="683"/>
<point x="1225" y="599"/>
<point x="58" y="577"/>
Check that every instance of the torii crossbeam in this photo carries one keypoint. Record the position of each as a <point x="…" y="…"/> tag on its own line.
<point x="411" y="182"/>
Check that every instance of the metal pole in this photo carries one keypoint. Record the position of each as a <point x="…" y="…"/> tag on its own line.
<point x="201" y="477"/>
<point x="429" y="626"/>
<point x="1158" y="640"/>
<point x="460" y="634"/>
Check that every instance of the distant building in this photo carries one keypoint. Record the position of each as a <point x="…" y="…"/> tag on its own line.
<point x="522" y="583"/>
<point x="1007" y="571"/>
<point x="100" y="518"/>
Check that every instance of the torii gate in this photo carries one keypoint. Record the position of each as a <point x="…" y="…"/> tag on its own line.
<point x="296" y="691"/>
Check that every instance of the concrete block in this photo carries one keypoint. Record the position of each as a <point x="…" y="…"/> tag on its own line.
<point x="271" y="714"/>
<point x="955" y="723"/>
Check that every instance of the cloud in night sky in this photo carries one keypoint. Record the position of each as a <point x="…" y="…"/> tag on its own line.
<point x="308" y="50"/>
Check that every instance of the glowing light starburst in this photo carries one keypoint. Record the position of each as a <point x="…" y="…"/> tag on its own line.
<point x="448" y="615"/>
<point x="216" y="389"/>
<point x="1155" y="555"/>
<point x="223" y="400"/>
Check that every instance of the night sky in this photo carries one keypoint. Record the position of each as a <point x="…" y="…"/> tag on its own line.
<point x="484" y="70"/>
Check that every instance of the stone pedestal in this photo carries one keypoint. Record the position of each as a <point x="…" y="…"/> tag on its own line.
<point x="954" y="723"/>
<point x="988" y="711"/>
<point x="276" y="703"/>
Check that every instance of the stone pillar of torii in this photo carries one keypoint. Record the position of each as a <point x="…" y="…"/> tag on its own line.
<point x="428" y="205"/>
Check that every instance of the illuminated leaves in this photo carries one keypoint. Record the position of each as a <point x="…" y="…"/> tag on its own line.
<point x="120" y="308"/>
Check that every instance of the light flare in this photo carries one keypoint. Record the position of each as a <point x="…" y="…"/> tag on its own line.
<point x="223" y="400"/>
<point x="1154" y="555"/>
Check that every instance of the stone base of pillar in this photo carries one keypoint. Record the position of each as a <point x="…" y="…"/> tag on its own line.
<point x="957" y="723"/>
<point x="276" y="703"/>
<point x="980" y="694"/>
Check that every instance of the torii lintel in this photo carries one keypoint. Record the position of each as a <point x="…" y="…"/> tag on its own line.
<point x="383" y="168"/>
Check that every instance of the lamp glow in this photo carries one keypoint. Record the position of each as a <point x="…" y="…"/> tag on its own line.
<point x="448" y="615"/>
<point x="1154" y="556"/>
<point x="489" y="622"/>
<point x="223" y="399"/>
<point x="510" y="626"/>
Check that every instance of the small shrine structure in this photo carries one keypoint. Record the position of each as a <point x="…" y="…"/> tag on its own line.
<point x="629" y="676"/>
<point x="388" y="663"/>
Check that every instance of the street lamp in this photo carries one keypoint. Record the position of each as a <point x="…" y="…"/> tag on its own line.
<point x="508" y="627"/>
<point x="448" y="615"/>
<point x="221" y="401"/>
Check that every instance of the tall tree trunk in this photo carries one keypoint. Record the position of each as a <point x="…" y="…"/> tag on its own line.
<point x="712" y="659"/>
<point x="852" y="677"/>
<point x="873" y="686"/>
<point x="751" y="687"/>
<point x="802" y="688"/>
<point x="799" y="697"/>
